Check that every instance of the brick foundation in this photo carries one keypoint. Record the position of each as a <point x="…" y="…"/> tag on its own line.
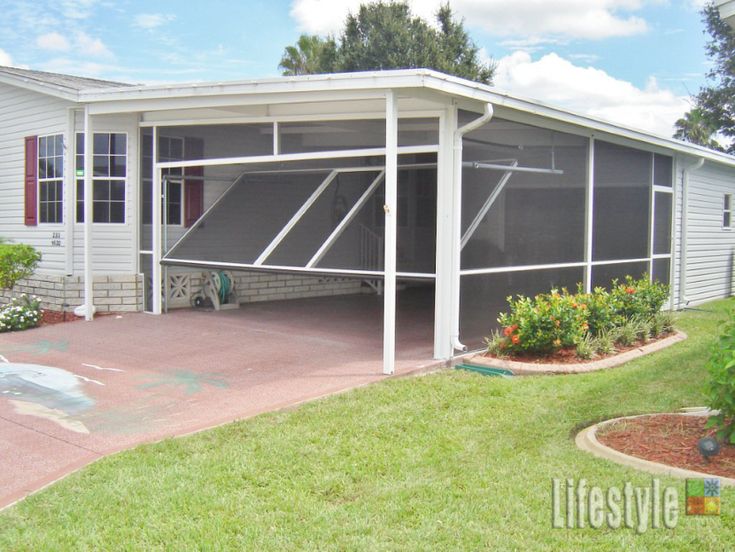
<point x="113" y="293"/>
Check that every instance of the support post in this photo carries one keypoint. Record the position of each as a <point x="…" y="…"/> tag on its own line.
<point x="589" y="215"/>
<point x="156" y="227"/>
<point x="444" y="244"/>
<point x="391" y="230"/>
<point x="88" y="216"/>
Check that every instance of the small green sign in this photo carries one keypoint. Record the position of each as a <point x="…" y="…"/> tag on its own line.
<point x="80" y="172"/>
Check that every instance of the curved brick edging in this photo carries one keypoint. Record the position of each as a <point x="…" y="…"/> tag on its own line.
<point x="530" y="368"/>
<point x="587" y="441"/>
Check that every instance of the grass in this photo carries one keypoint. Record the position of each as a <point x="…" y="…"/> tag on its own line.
<point x="451" y="461"/>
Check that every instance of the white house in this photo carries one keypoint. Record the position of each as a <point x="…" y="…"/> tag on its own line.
<point x="348" y="183"/>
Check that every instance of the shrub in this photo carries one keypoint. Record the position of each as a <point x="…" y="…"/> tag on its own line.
<point x="604" y="342"/>
<point x="721" y="387"/>
<point x="637" y="298"/>
<point x="545" y="323"/>
<point x="601" y="311"/>
<point x="22" y="313"/>
<point x="17" y="261"/>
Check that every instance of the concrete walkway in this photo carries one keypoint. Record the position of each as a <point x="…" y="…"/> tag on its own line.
<point x="71" y="393"/>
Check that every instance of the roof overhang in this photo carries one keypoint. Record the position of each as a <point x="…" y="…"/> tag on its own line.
<point x="48" y="89"/>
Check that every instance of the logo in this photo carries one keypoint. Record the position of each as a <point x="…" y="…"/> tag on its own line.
<point x="703" y="497"/>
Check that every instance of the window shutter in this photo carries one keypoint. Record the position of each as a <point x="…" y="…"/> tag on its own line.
<point x="31" y="181"/>
<point x="193" y="188"/>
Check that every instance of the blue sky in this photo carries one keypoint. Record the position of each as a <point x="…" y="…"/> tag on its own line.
<point x="630" y="61"/>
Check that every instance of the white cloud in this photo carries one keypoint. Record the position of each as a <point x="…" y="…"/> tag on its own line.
<point x="152" y="20"/>
<point x="88" y="45"/>
<point x="559" y="82"/>
<point x="5" y="58"/>
<point x="77" y="9"/>
<point x="589" y="19"/>
<point x="53" y="41"/>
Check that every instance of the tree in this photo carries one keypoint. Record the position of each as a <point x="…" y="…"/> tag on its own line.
<point x="696" y="128"/>
<point x="716" y="101"/>
<point x="311" y="54"/>
<point x="388" y="36"/>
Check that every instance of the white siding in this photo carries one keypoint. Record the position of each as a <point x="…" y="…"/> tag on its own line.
<point x="25" y="113"/>
<point x="710" y="248"/>
<point x="113" y="245"/>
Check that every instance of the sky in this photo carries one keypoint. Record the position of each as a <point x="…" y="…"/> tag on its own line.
<point x="632" y="62"/>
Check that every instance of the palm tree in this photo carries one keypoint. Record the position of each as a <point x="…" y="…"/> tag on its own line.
<point x="695" y="128"/>
<point x="311" y="54"/>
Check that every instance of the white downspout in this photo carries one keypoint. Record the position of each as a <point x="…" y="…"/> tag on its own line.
<point x="457" y="220"/>
<point x="88" y="216"/>
<point x="684" y="207"/>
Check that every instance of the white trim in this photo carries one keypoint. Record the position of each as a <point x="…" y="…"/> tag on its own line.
<point x="336" y="272"/>
<point x="88" y="215"/>
<point x="156" y="234"/>
<point x="589" y="227"/>
<point x="523" y="268"/>
<point x="261" y="119"/>
<point x="286" y="157"/>
<point x="46" y="179"/>
<point x="391" y="230"/>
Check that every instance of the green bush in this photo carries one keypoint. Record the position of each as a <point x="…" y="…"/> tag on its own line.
<point x="17" y="261"/>
<point x="637" y="298"/>
<point x="22" y="313"/>
<point x="721" y="387"/>
<point x="545" y="323"/>
<point x="591" y="322"/>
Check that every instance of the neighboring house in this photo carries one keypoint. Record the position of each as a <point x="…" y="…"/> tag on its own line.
<point x="727" y="11"/>
<point x="348" y="183"/>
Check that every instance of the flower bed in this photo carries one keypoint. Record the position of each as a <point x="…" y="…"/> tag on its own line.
<point x="568" y="327"/>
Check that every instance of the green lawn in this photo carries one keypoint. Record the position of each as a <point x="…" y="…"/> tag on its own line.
<point x="449" y="461"/>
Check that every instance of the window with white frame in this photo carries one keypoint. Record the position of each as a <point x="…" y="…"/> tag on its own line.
<point x="727" y="211"/>
<point x="170" y="148"/>
<point x="109" y="177"/>
<point x="51" y="179"/>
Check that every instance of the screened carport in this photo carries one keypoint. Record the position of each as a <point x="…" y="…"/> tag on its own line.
<point x="395" y="178"/>
<point x="310" y="198"/>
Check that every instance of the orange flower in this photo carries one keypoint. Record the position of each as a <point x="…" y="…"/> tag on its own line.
<point x="630" y="290"/>
<point x="582" y="306"/>
<point x="507" y="331"/>
<point x="516" y="339"/>
<point x="557" y="343"/>
<point x="585" y="326"/>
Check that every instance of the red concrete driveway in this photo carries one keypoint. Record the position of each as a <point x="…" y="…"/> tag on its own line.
<point x="71" y="393"/>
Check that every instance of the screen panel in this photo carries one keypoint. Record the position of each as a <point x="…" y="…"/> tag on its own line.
<point x="603" y="275"/>
<point x="483" y="296"/>
<point x="621" y="202"/>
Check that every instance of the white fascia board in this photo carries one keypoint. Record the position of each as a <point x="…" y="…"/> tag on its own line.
<point x="47" y="89"/>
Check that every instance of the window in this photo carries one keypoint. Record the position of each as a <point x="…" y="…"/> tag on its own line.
<point x="727" y="211"/>
<point x="51" y="178"/>
<point x="109" y="174"/>
<point x="169" y="149"/>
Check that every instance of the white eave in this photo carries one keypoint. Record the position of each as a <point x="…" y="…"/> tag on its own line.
<point x="372" y="84"/>
<point x="727" y="11"/>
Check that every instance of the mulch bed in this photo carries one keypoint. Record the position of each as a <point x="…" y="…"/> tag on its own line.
<point x="669" y="439"/>
<point x="54" y="317"/>
<point x="568" y="355"/>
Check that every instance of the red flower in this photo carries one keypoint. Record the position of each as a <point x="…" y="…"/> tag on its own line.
<point x="516" y="339"/>
<point x="507" y="331"/>
<point x="630" y="290"/>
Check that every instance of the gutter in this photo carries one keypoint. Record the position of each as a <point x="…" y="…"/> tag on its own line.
<point x="457" y="219"/>
<point x="683" y="301"/>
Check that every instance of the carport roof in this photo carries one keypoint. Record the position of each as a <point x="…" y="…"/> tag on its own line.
<point x="471" y="94"/>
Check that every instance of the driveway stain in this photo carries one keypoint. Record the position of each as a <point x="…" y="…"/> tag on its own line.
<point x="40" y="347"/>
<point x="45" y="392"/>
<point x="192" y="382"/>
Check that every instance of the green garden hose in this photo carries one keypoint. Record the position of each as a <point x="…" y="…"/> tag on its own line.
<point x="225" y="285"/>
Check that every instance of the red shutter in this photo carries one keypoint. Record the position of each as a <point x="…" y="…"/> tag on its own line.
<point x="193" y="189"/>
<point x="31" y="181"/>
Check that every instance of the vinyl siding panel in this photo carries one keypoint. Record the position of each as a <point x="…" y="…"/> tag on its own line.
<point x="25" y="113"/>
<point x="710" y="248"/>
